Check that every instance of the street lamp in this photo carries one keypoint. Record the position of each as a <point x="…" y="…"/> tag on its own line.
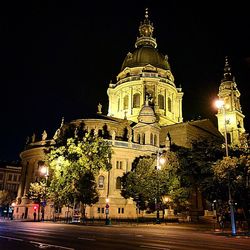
<point x="159" y="162"/>
<point x="220" y="104"/>
<point x="44" y="170"/>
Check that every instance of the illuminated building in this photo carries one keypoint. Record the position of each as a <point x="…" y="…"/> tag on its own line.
<point x="145" y="114"/>
<point x="230" y="95"/>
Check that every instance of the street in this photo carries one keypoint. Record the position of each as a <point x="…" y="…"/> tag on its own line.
<point x="47" y="235"/>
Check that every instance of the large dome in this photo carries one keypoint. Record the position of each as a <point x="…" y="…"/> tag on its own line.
<point x="145" y="55"/>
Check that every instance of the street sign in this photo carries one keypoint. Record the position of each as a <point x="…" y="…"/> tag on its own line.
<point x="107" y="205"/>
<point x="43" y="203"/>
<point x="107" y="211"/>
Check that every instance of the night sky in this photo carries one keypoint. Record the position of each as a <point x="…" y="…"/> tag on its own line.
<point x="57" y="59"/>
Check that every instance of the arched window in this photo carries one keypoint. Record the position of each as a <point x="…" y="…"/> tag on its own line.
<point x="169" y="104"/>
<point x="118" y="182"/>
<point x="138" y="138"/>
<point x="155" y="140"/>
<point x="143" y="139"/>
<point x="161" y="101"/>
<point x="101" y="182"/>
<point x="151" y="139"/>
<point x="136" y="100"/>
<point x="125" y="102"/>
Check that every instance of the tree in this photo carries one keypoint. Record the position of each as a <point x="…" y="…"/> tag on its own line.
<point x="233" y="172"/>
<point x="195" y="169"/>
<point x="73" y="168"/>
<point x="145" y="184"/>
<point x="87" y="192"/>
<point x="6" y="197"/>
<point x="38" y="194"/>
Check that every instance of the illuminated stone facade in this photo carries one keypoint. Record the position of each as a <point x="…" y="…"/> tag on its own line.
<point x="233" y="116"/>
<point x="146" y="72"/>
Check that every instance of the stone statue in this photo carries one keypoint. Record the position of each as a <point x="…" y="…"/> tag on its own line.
<point x="33" y="138"/>
<point x="44" y="135"/>
<point x="76" y="132"/>
<point x="99" y="107"/>
<point x="57" y="133"/>
<point x="27" y="140"/>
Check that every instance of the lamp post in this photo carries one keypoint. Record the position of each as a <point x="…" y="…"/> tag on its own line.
<point x="107" y="222"/>
<point x="159" y="161"/>
<point x="221" y="105"/>
<point x="45" y="172"/>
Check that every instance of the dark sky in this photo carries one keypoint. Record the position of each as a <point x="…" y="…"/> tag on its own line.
<point x="58" y="58"/>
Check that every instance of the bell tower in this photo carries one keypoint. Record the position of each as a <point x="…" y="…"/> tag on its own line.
<point x="232" y="114"/>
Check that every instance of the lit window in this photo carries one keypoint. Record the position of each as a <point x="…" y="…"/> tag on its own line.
<point x="118" y="183"/>
<point x="169" y="104"/>
<point x="136" y="100"/>
<point x="101" y="182"/>
<point x="125" y="102"/>
<point x="161" y="101"/>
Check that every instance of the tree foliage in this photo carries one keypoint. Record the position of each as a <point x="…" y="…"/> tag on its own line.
<point x="233" y="172"/>
<point x="73" y="167"/>
<point x="145" y="184"/>
<point x="38" y="192"/>
<point x="6" y="197"/>
<point x="195" y="167"/>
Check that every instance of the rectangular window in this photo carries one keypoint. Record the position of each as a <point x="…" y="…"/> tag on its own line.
<point x="10" y="177"/>
<point x="98" y="210"/>
<point x="120" y="210"/>
<point x="102" y="210"/>
<point x="15" y="177"/>
<point x="118" y="164"/>
<point x="1" y="176"/>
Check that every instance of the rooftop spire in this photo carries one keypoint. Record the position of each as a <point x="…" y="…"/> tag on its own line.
<point x="146" y="29"/>
<point x="227" y="76"/>
<point x="146" y="13"/>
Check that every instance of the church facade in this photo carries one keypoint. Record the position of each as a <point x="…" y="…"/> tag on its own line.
<point x="144" y="117"/>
